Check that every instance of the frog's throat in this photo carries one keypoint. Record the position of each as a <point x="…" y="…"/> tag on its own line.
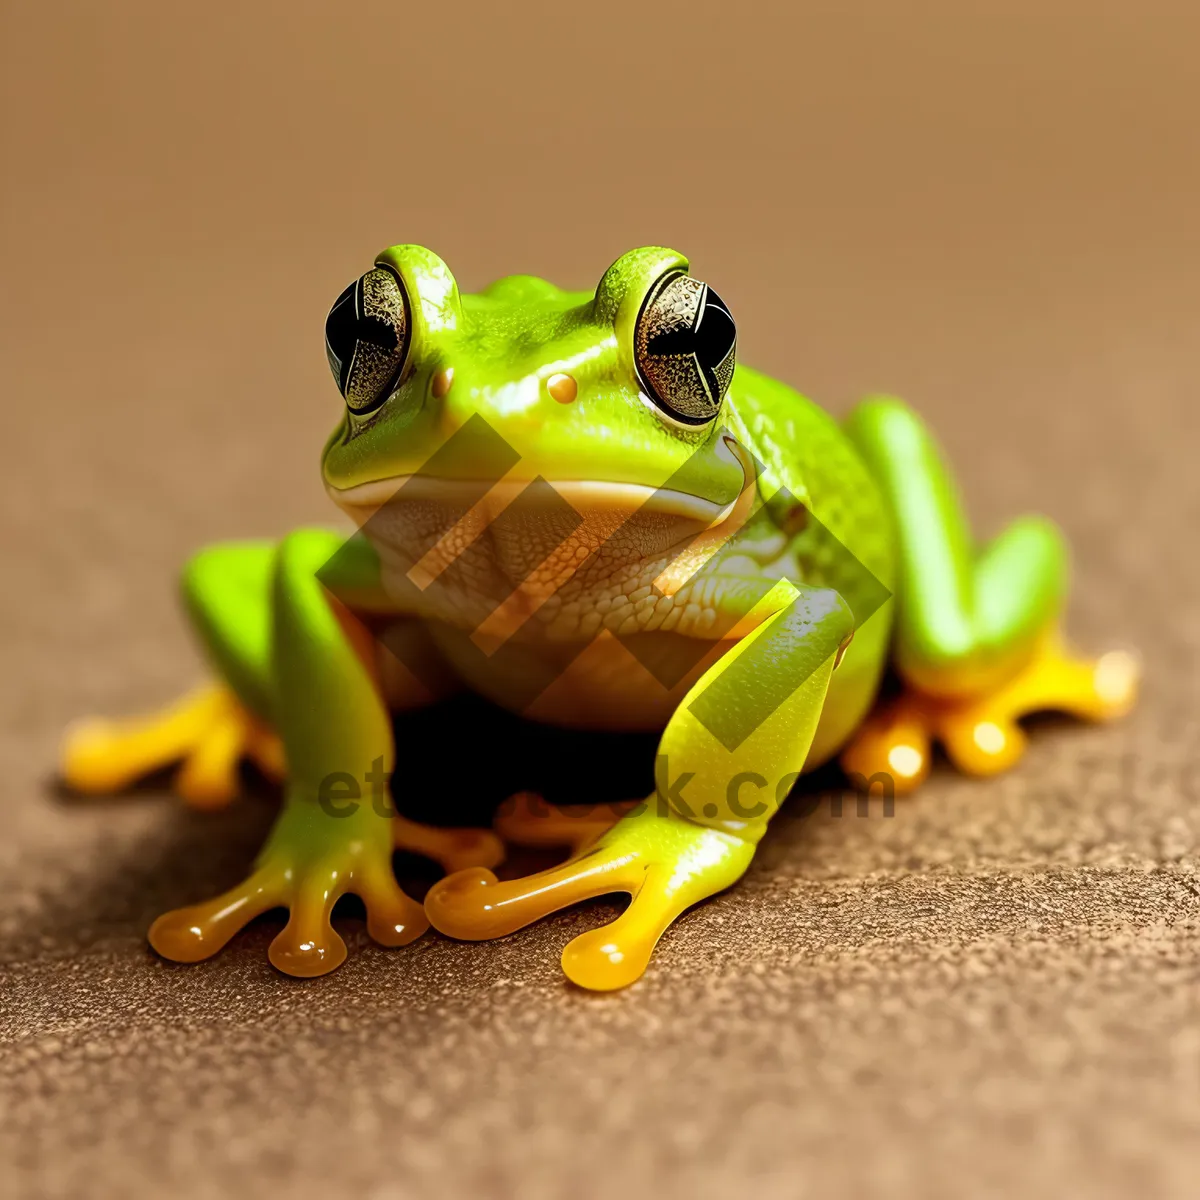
<point x="629" y="537"/>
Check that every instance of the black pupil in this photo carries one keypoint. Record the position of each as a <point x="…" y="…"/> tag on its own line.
<point x="714" y="332"/>
<point x="347" y="325"/>
<point x="710" y="338"/>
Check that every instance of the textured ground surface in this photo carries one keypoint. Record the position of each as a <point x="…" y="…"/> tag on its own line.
<point x="993" y="992"/>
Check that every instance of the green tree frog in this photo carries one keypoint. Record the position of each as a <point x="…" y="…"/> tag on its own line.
<point x="579" y="506"/>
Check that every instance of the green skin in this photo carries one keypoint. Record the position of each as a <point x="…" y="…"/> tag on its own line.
<point x="960" y="618"/>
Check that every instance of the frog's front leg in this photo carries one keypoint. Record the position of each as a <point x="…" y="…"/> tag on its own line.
<point x="977" y="641"/>
<point x="726" y="760"/>
<point x="337" y="828"/>
<point x="227" y="589"/>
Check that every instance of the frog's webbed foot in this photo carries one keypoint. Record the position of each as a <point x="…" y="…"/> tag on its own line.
<point x="526" y="819"/>
<point x="208" y="732"/>
<point x="309" y="863"/>
<point x="664" y="862"/>
<point x="981" y="735"/>
<point x="308" y="944"/>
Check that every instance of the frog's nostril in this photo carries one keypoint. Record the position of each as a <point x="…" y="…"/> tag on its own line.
<point x="442" y="382"/>
<point x="563" y="388"/>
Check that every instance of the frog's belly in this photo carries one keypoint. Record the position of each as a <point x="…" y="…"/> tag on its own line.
<point x="637" y="683"/>
<point x="603" y="683"/>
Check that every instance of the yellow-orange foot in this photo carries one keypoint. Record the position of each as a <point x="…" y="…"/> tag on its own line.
<point x="452" y="849"/>
<point x="208" y="732"/>
<point x="665" y="864"/>
<point x="525" y="819"/>
<point x="302" y="870"/>
<point x="981" y="735"/>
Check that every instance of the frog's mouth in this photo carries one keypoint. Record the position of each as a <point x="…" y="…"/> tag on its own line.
<point x="365" y="501"/>
<point x="521" y="541"/>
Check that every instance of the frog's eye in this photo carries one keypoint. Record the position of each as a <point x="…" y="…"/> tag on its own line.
<point x="684" y="347"/>
<point x="366" y="338"/>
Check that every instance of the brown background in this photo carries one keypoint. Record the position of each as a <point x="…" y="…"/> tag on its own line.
<point x="990" y="208"/>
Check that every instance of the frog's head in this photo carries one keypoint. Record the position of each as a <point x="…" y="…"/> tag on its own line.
<point x="613" y="397"/>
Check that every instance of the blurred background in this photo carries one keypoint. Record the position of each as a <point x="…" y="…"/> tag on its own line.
<point x="985" y="207"/>
<point x="989" y="208"/>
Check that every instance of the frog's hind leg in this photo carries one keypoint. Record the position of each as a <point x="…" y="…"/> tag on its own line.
<point x="208" y="732"/>
<point x="977" y="643"/>
<point x="526" y="819"/>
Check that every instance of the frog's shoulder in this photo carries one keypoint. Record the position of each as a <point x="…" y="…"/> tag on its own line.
<point x="804" y="449"/>
<point x="783" y="427"/>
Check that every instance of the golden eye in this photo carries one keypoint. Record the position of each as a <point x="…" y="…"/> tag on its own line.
<point x="685" y="346"/>
<point x="366" y="338"/>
